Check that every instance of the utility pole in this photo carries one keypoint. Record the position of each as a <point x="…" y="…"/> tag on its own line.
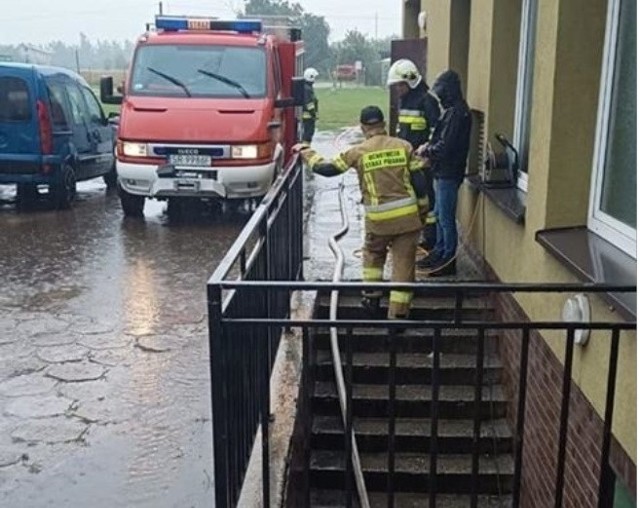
<point x="160" y="8"/>
<point x="376" y="25"/>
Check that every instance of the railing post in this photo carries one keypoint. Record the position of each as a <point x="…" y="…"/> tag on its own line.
<point x="391" y="457"/>
<point x="348" y="431"/>
<point x="522" y="395"/>
<point x="219" y="404"/>
<point x="477" y="417"/>
<point x="433" y="441"/>
<point x="307" y="376"/>
<point x="607" y="481"/>
<point x="564" y="416"/>
<point x="265" y="370"/>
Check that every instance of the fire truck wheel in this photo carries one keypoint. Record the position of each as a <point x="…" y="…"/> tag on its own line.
<point x="175" y="208"/>
<point x="132" y="205"/>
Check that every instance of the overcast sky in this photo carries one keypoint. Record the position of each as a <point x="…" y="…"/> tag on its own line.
<point x="41" y="21"/>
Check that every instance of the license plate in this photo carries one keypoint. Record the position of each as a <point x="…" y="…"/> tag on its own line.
<point x="190" y="160"/>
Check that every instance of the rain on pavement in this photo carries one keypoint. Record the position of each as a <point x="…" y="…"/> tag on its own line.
<point x="104" y="376"/>
<point x="104" y="382"/>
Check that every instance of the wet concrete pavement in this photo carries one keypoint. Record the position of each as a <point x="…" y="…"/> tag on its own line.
<point x="104" y="381"/>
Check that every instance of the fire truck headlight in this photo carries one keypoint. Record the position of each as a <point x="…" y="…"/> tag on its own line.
<point x="134" y="149"/>
<point x="244" y="152"/>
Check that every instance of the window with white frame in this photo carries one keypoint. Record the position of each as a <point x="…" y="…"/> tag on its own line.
<point x="524" y="89"/>
<point x="613" y="188"/>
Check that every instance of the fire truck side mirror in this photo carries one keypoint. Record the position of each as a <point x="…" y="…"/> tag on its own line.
<point x="297" y="95"/>
<point x="106" y="91"/>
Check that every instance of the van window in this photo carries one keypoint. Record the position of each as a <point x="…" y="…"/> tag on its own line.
<point x="57" y="105"/>
<point x="95" y="112"/>
<point x="78" y="107"/>
<point x="14" y="100"/>
<point x="199" y="71"/>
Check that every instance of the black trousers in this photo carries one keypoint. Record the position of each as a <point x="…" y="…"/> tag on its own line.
<point x="308" y="130"/>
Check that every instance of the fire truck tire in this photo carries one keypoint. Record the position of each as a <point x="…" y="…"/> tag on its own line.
<point x="132" y="205"/>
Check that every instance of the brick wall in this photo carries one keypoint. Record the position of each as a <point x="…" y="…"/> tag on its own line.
<point x="542" y="421"/>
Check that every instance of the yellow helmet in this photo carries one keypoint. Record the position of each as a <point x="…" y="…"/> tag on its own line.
<point x="404" y="71"/>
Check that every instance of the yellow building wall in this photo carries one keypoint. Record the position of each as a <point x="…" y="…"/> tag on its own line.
<point x="569" y="42"/>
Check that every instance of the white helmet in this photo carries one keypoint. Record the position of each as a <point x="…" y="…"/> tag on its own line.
<point x="404" y="71"/>
<point x="310" y="75"/>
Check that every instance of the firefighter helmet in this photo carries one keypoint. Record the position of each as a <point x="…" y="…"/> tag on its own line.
<point x="310" y="75"/>
<point x="404" y="71"/>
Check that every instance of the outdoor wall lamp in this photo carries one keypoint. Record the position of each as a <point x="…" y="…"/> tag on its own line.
<point x="577" y="310"/>
<point x="422" y="21"/>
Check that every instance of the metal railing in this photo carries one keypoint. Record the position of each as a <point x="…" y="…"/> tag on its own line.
<point x="437" y="331"/>
<point x="269" y="248"/>
<point x="249" y="306"/>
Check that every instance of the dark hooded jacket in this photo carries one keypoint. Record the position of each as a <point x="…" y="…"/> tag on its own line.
<point x="422" y="102"/>
<point x="449" y="146"/>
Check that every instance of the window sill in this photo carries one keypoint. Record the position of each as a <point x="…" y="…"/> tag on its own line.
<point x="593" y="259"/>
<point x="511" y="200"/>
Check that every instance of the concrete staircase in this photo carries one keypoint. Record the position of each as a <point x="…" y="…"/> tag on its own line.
<point x="413" y="411"/>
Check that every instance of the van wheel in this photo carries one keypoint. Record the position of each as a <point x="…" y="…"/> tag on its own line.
<point x="63" y="191"/>
<point x="132" y="205"/>
<point x="26" y="195"/>
<point x="111" y="178"/>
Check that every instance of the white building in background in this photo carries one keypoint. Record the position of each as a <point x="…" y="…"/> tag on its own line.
<point x="28" y="53"/>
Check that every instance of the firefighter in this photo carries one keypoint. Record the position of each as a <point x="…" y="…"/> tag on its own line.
<point x="394" y="193"/>
<point x="417" y="117"/>
<point x="310" y="107"/>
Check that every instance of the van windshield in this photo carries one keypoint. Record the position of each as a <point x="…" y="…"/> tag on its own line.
<point x="199" y="71"/>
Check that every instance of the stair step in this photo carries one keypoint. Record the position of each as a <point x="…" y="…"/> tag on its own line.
<point x="411" y="368"/>
<point x="412" y="472"/>
<point x="455" y="401"/>
<point x="352" y="299"/>
<point x="335" y="499"/>
<point x="439" y="309"/>
<point x="412" y="341"/>
<point x="350" y="307"/>
<point x="454" y="436"/>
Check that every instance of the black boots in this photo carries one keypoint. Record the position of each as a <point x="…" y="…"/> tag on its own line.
<point x="371" y="305"/>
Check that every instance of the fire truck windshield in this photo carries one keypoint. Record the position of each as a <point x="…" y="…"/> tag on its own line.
<point x="199" y="71"/>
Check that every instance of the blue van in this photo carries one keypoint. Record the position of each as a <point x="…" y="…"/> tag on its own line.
<point x="53" y="131"/>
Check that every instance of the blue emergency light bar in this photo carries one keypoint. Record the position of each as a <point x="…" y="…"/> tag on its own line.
<point x="176" y="23"/>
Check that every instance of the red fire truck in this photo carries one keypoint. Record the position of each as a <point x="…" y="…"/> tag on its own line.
<point x="207" y="110"/>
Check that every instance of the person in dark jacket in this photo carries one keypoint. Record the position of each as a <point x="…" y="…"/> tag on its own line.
<point x="447" y="152"/>
<point x="310" y="107"/>
<point x="418" y="114"/>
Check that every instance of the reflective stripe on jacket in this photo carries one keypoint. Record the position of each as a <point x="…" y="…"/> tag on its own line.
<point x="384" y="165"/>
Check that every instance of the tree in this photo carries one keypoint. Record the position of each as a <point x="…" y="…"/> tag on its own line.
<point x="273" y="8"/>
<point x="315" y="29"/>
<point x="315" y="33"/>
<point x="356" y="47"/>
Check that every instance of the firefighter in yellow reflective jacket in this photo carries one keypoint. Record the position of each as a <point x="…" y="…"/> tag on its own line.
<point x="310" y="106"/>
<point x="394" y="191"/>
